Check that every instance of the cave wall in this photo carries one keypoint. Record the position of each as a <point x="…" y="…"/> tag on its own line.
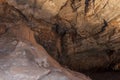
<point x="81" y="34"/>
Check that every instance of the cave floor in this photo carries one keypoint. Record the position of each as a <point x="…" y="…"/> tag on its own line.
<point x="109" y="75"/>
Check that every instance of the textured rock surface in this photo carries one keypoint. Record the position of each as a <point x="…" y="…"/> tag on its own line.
<point x="21" y="58"/>
<point x="40" y="9"/>
<point x="75" y="32"/>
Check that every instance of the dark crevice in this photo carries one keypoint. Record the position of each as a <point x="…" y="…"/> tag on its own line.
<point x="104" y="27"/>
<point x="86" y="5"/>
<point x="110" y="52"/>
<point x="60" y="30"/>
<point x="20" y="13"/>
<point x="63" y="6"/>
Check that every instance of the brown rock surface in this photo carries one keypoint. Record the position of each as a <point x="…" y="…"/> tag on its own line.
<point x="88" y="30"/>
<point x="81" y="34"/>
<point x="21" y="58"/>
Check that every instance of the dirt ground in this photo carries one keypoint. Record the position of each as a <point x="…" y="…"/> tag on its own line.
<point x="109" y="75"/>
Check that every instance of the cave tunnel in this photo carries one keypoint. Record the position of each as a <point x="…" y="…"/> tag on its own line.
<point x="59" y="40"/>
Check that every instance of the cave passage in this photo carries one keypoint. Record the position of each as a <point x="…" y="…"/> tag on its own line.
<point x="79" y="35"/>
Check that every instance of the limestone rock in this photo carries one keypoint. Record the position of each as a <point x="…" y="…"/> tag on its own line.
<point x="88" y="25"/>
<point x="21" y="58"/>
<point x="40" y="9"/>
<point x="73" y="27"/>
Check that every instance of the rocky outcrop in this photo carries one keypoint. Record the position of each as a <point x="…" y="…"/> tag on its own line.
<point x="81" y="34"/>
<point x="21" y="58"/>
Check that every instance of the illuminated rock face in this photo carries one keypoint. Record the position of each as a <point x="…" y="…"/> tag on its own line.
<point x="40" y="9"/>
<point x="23" y="63"/>
<point x="82" y="34"/>
<point x="21" y="58"/>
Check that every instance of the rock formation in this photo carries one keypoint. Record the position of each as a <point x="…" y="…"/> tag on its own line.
<point x="80" y="34"/>
<point x="21" y="58"/>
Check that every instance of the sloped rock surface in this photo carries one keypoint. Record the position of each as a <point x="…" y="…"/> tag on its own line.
<point x="75" y="32"/>
<point x="21" y="58"/>
<point x="40" y="9"/>
<point x="89" y="28"/>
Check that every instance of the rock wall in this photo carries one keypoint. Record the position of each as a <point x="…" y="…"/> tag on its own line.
<point x="81" y="34"/>
<point x="21" y="58"/>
